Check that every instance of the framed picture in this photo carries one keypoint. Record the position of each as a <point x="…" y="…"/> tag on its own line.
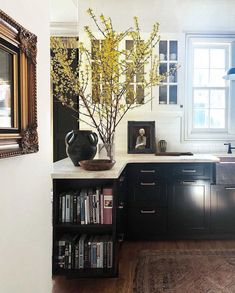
<point x="141" y="137"/>
<point x="18" y="89"/>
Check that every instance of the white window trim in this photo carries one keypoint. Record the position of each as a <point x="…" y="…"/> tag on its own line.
<point x="207" y="135"/>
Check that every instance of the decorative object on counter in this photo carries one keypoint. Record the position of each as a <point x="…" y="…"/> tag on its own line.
<point x="174" y="154"/>
<point x="141" y="137"/>
<point x="81" y="145"/>
<point x="193" y="270"/>
<point x="106" y="151"/>
<point x="18" y="89"/>
<point x="162" y="144"/>
<point x="110" y="71"/>
<point x="97" y="164"/>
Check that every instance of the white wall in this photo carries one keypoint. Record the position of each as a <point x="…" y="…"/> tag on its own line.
<point x="175" y="17"/>
<point x="25" y="204"/>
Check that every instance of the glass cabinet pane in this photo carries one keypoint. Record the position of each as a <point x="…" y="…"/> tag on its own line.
<point x="173" y="51"/>
<point x="163" y="94"/>
<point x="173" y="94"/>
<point x="163" y="52"/>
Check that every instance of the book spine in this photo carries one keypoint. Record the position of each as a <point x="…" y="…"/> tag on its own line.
<point x="63" y="209"/>
<point x="78" y="209"/>
<point x="108" y="209"/>
<point x="90" y="207"/>
<point x="110" y="254"/>
<point x="98" y="205"/>
<point x="67" y="212"/>
<point x="101" y="208"/>
<point x="86" y="252"/>
<point x="71" y="208"/>
<point x="75" y="208"/>
<point x="105" y="253"/>
<point x="94" y="256"/>
<point x="60" y="208"/>
<point x="101" y="254"/>
<point x="61" y="254"/>
<point x="76" y="256"/>
<point x="82" y="205"/>
<point x="94" y="208"/>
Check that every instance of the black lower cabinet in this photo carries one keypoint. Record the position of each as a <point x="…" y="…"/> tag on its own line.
<point x="189" y="207"/>
<point x="223" y="209"/>
<point x="147" y="222"/>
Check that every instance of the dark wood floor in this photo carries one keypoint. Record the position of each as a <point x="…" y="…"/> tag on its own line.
<point x="128" y="256"/>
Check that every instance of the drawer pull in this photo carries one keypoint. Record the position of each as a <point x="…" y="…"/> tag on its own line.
<point x="230" y="188"/>
<point x="148" y="212"/>
<point x="147" y="171"/>
<point x="188" y="182"/>
<point x="147" y="183"/>
<point x="189" y="171"/>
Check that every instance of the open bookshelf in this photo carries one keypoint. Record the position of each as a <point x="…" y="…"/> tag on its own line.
<point x="84" y="228"/>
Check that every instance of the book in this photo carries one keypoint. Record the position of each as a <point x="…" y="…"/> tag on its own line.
<point x="110" y="253"/>
<point x="81" y="250"/>
<point x="97" y="199"/>
<point x="101" y="208"/>
<point x="107" y="205"/>
<point x="74" y="215"/>
<point x="67" y="207"/>
<point x="82" y="205"/>
<point x="63" y="208"/>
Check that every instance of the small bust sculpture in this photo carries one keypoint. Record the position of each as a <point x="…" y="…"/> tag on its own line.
<point x="141" y="139"/>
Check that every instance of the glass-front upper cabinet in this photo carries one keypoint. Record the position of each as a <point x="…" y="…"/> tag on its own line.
<point x="168" y="55"/>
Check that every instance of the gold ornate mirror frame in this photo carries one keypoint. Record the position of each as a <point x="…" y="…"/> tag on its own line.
<point x="18" y="108"/>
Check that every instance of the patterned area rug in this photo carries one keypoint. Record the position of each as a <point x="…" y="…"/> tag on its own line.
<point x="188" y="271"/>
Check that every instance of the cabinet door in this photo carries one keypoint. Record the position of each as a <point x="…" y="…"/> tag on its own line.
<point x="146" y="222"/>
<point x="223" y="208"/>
<point x="189" y="204"/>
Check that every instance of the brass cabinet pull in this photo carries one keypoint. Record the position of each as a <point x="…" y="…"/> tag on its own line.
<point x="189" y="171"/>
<point x="147" y="171"/>
<point x="148" y="211"/>
<point x="230" y="188"/>
<point x="147" y="183"/>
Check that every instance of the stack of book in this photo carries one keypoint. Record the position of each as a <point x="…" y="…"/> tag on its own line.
<point x="85" y="252"/>
<point x="87" y="206"/>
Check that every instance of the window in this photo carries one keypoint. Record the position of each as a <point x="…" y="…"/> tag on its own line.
<point x="207" y="94"/>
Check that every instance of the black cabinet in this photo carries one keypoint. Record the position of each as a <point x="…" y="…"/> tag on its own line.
<point x="189" y="207"/>
<point x="147" y="201"/>
<point x="223" y="209"/>
<point x="169" y="200"/>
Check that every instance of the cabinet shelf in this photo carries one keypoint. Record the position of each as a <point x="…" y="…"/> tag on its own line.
<point x="91" y="228"/>
<point x="86" y="273"/>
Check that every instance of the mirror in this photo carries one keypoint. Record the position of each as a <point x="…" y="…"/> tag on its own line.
<point x="18" y="118"/>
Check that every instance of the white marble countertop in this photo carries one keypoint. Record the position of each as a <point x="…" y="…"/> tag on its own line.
<point x="66" y="169"/>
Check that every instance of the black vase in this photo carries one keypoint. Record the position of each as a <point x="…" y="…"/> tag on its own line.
<point x="81" y="145"/>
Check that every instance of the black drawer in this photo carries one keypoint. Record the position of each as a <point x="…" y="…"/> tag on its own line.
<point x="147" y="221"/>
<point x="148" y="192"/>
<point x="191" y="170"/>
<point x="145" y="171"/>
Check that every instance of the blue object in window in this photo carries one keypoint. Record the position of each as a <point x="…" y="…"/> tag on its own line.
<point x="230" y="74"/>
